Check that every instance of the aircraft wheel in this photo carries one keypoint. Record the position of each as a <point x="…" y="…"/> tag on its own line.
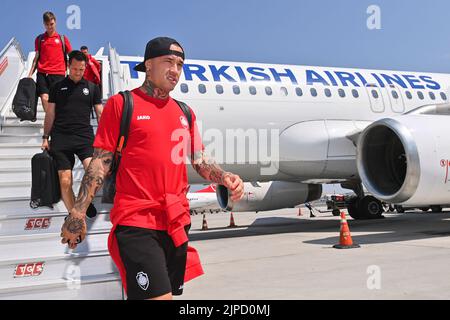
<point x="352" y="208"/>
<point x="370" y="207"/>
<point x="400" y="209"/>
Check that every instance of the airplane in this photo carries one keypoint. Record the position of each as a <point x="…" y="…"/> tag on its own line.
<point x="383" y="129"/>
<point x="288" y="129"/>
<point x="204" y="200"/>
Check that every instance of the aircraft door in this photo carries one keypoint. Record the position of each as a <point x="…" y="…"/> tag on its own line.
<point x="396" y="99"/>
<point x="376" y="98"/>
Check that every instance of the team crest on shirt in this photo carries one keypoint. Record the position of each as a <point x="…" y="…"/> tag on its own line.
<point x="184" y="122"/>
<point x="142" y="280"/>
<point x="57" y="41"/>
<point x="86" y="91"/>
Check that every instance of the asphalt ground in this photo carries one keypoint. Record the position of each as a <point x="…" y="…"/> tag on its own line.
<point x="280" y="255"/>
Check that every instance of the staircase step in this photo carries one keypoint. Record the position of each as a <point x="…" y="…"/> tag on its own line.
<point x="12" y="209"/>
<point x="15" y="226"/>
<point x="22" y="190"/>
<point x="26" y="273"/>
<point x="19" y="139"/>
<point x="24" y="149"/>
<point x="24" y="174"/>
<point x="35" y="128"/>
<point x="104" y="287"/>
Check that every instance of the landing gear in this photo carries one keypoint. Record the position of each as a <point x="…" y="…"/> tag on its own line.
<point x="399" y="209"/>
<point x="362" y="207"/>
<point x="436" y="209"/>
<point x="367" y="207"/>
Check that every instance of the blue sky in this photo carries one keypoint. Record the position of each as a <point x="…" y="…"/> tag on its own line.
<point x="413" y="35"/>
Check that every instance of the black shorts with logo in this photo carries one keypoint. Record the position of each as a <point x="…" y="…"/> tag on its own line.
<point x="63" y="149"/>
<point x="154" y="266"/>
<point x="45" y="81"/>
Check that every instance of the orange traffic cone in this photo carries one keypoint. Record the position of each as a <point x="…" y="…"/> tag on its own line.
<point x="204" y="224"/>
<point x="232" y="224"/>
<point x="345" y="241"/>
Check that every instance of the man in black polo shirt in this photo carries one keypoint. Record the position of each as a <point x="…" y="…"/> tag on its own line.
<point x="68" y="122"/>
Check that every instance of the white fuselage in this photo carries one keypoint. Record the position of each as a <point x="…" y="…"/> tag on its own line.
<point x="306" y="115"/>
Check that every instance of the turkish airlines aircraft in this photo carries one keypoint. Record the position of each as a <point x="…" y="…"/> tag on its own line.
<point x="384" y="129"/>
<point x="204" y="200"/>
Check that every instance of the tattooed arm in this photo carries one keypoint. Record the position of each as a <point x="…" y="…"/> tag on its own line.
<point x="75" y="224"/>
<point x="208" y="169"/>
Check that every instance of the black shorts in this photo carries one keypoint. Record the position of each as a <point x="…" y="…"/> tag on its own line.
<point x="45" y="81"/>
<point x="64" y="154"/>
<point x="154" y="266"/>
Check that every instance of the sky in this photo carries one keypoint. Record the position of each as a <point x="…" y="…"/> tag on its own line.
<point x="409" y="35"/>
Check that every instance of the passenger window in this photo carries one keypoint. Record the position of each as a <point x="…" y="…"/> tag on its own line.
<point x="201" y="88"/>
<point x="313" y="92"/>
<point x="420" y="95"/>
<point x="432" y="96"/>
<point x="327" y="92"/>
<point x="269" y="91"/>
<point x="219" y="89"/>
<point x="236" y="90"/>
<point x="408" y="95"/>
<point x="184" y="88"/>
<point x="443" y="96"/>
<point x="341" y="93"/>
<point x="298" y="91"/>
<point x="284" y="91"/>
<point x="394" y="94"/>
<point x="252" y="90"/>
<point x="355" y="93"/>
<point x="375" y="94"/>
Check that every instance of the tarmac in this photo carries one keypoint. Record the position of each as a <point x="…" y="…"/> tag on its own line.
<point x="280" y="255"/>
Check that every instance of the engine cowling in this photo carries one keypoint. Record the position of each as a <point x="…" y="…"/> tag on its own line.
<point x="264" y="196"/>
<point x="406" y="159"/>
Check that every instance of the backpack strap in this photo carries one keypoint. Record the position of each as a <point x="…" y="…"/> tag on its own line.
<point x="186" y="110"/>
<point x="127" y="112"/>
<point x="63" y="42"/>
<point x="39" y="39"/>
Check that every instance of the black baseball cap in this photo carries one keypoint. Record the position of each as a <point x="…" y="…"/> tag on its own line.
<point x="159" y="47"/>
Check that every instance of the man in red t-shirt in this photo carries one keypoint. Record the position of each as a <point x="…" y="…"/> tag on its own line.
<point x="92" y="72"/>
<point x="50" y="59"/>
<point x="148" y="241"/>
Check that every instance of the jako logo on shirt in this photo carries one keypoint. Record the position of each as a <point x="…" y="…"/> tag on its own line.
<point x="86" y="91"/>
<point x="184" y="122"/>
<point x="143" y="118"/>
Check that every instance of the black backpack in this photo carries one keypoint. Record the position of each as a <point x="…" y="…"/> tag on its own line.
<point x="25" y="100"/>
<point x="45" y="190"/>
<point x="109" y="184"/>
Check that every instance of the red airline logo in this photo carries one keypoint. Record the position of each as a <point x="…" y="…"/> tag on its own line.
<point x="3" y="65"/>
<point x="445" y="164"/>
<point x="29" y="270"/>
<point x="38" y="224"/>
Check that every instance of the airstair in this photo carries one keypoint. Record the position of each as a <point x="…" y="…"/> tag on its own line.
<point x="33" y="262"/>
